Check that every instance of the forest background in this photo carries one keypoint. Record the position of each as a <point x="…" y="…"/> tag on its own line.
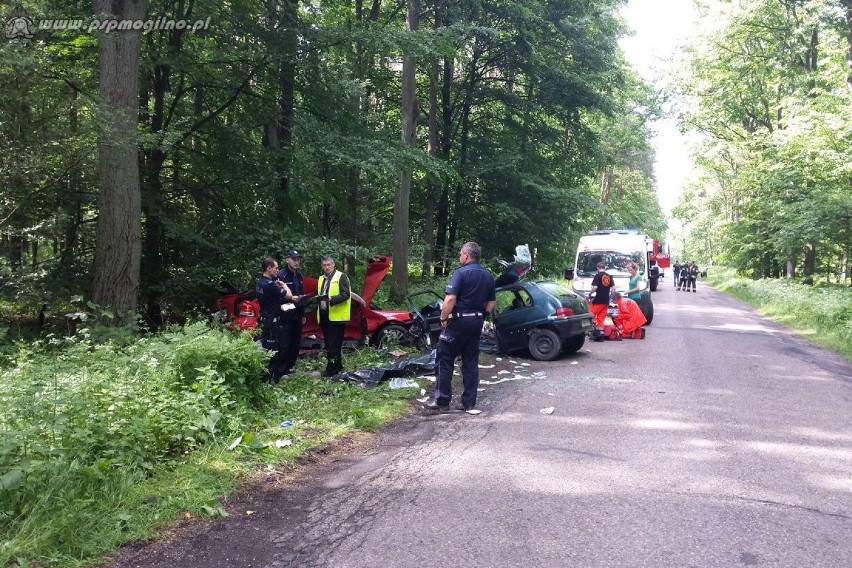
<point x="141" y="169"/>
<point x="138" y="170"/>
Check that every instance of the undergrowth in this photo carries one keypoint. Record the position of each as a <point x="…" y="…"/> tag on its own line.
<point x="103" y="443"/>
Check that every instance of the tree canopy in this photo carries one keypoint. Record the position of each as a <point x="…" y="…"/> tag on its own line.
<point x="771" y="91"/>
<point x="263" y="126"/>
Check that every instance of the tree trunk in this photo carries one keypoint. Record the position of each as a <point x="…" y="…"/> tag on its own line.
<point x="847" y="6"/>
<point x="403" y="191"/>
<point x="809" y="267"/>
<point x="278" y="135"/>
<point x="432" y="183"/>
<point x="455" y="217"/>
<point x="446" y="143"/>
<point x="115" y="271"/>
<point x="16" y="252"/>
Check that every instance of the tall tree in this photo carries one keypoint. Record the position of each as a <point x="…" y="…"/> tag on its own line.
<point x="403" y="191"/>
<point x="115" y="283"/>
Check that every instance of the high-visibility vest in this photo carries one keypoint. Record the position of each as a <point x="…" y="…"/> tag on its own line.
<point x="337" y="312"/>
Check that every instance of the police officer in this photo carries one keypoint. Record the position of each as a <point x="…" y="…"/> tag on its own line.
<point x="335" y="304"/>
<point x="469" y="297"/>
<point x="290" y="324"/>
<point x="271" y="294"/>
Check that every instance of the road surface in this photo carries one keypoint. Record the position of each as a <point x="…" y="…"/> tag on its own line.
<point x="720" y="440"/>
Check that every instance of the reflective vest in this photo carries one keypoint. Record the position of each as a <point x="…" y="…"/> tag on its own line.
<point x="338" y="312"/>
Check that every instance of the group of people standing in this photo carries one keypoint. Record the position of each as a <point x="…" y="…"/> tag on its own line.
<point x="685" y="275"/>
<point x="282" y="299"/>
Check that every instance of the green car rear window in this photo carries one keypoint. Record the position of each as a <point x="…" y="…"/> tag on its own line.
<point x="555" y="289"/>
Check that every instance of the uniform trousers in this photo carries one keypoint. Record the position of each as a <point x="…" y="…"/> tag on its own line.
<point x="459" y="338"/>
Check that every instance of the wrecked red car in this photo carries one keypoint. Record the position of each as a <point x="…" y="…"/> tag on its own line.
<point x="367" y="321"/>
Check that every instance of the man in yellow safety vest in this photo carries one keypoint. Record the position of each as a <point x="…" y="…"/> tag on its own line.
<point x="335" y="303"/>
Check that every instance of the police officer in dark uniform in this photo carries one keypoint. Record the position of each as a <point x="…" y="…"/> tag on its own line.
<point x="271" y="294"/>
<point x="469" y="297"/>
<point x="290" y="323"/>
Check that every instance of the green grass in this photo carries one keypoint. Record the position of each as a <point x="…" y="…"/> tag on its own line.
<point x="821" y="313"/>
<point x="106" y="443"/>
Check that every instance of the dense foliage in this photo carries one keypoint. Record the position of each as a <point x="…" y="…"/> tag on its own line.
<point x="277" y="124"/>
<point x="103" y="441"/>
<point x="771" y="91"/>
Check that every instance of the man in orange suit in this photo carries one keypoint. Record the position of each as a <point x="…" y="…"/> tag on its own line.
<point x="630" y="316"/>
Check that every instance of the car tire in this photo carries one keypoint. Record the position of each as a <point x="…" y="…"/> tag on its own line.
<point x="544" y="345"/>
<point x="649" y="315"/>
<point x="391" y="335"/>
<point x="573" y="344"/>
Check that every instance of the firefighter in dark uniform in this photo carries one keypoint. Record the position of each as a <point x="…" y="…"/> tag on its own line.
<point x="469" y="298"/>
<point x="290" y="324"/>
<point x="272" y="294"/>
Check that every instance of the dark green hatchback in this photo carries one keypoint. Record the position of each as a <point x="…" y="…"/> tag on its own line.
<point x="545" y="317"/>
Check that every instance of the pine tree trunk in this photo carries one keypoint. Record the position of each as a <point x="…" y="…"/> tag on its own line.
<point x="118" y="247"/>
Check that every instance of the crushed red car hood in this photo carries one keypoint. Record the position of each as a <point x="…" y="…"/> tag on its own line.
<point x="377" y="268"/>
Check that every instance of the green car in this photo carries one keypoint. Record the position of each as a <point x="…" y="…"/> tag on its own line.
<point x="544" y="317"/>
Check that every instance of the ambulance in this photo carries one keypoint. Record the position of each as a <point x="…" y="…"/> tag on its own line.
<point x="616" y="249"/>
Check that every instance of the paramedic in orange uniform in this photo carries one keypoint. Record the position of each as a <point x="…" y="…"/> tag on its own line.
<point x="630" y="316"/>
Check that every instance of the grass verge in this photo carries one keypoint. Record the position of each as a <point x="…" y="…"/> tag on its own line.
<point x="104" y="444"/>
<point x="822" y="313"/>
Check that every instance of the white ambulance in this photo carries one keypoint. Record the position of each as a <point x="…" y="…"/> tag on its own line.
<point x="615" y="248"/>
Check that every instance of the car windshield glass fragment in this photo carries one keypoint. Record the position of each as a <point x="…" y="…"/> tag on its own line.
<point x="616" y="262"/>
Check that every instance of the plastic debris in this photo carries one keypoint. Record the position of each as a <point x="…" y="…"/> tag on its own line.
<point x="424" y="399"/>
<point x="486" y="366"/>
<point x="498" y="358"/>
<point x="515" y="378"/>
<point x="574" y="362"/>
<point x="283" y="443"/>
<point x="368" y="378"/>
<point x="292" y="398"/>
<point x="397" y="353"/>
<point x="473" y="411"/>
<point x="286" y="424"/>
<point x="403" y="383"/>
<point x="549" y="410"/>
<point x="422" y="392"/>
<point x="525" y="364"/>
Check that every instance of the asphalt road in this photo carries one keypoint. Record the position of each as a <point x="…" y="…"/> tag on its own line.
<point x="719" y="440"/>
